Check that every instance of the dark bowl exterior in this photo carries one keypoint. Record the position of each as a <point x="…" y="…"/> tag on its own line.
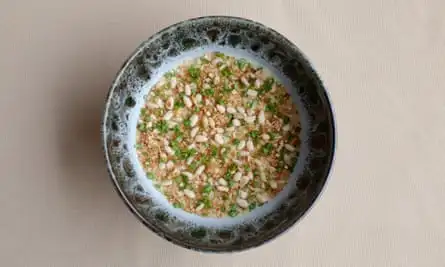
<point x="241" y="34"/>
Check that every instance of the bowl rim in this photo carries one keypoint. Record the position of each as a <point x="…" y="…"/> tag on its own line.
<point x="154" y="228"/>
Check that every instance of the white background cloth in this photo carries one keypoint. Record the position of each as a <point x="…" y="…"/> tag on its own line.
<point x="383" y="63"/>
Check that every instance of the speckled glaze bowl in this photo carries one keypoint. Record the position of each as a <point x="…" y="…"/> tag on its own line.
<point x="164" y="51"/>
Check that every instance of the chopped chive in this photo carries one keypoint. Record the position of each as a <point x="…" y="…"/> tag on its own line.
<point x="219" y="54"/>
<point x="286" y="119"/>
<point x="142" y="127"/>
<point x="273" y="135"/>
<point x="233" y="211"/>
<point x="267" y="148"/>
<point x="254" y="134"/>
<point x="208" y="92"/>
<point x="213" y="151"/>
<point x="207" y="188"/>
<point x="271" y="107"/>
<point x="267" y="85"/>
<point x="204" y="60"/>
<point x="162" y="126"/>
<point x="207" y="203"/>
<point x="169" y="74"/>
<point x="221" y="101"/>
<point x="194" y="72"/>
<point x="241" y="63"/>
<point x="236" y="141"/>
<point x="246" y="167"/>
<point x="251" y="104"/>
<point x="226" y="72"/>
<point x="150" y="175"/>
<point x="252" y="206"/>
<point x="187" y="123"/>
<point x="177" y="205"/>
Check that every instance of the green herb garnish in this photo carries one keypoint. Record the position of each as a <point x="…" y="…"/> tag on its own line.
<point x="187" y="122"/>
<point x="177" y="205"/>
<point x="241" y="63"/>
<point x="271" y="107"/>
<point x="254" y="134"/>
<point x="226" y="72"/>
<point x="252" y="206"/>
<point x="219" y="54"/>
<point x="213" y="151"/>
<point x="208" y="92"/>
<point x="194" y="72"/>
<point x="267" y="148"/>
<point x="162" y="126"/>
<point x="233" y="211"/>
<point x="207" y="189"/>
<point x="142" y="127"/>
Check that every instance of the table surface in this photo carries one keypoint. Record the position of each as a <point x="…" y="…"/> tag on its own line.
<point x="383" y="63"/>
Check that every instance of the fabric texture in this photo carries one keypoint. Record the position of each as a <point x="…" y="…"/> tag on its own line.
<point x="382" y="62"/>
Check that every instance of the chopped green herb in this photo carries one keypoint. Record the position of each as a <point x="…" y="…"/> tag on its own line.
<point x="162" y="126"/>
<point x="219" y="54"/>
<point x="225" y="153"/>
<point x="204" y="60"/>
<point x="150" y="175"/>
<point x="286" y="119"/>
<point x="251" y="104"/>
<point x="267" y="148"/>
<point x="226" y="72"/>
<point x="213" y="151"/>
<point x="193" y="166"/>
<point x="236" y="141"/>
<point x="178" y="104"/>
<point x="231" y="183"/>
<point x="254" y="134"/>
<point x="271" y="107"/>
<point x="233" y="211"/>
<point x="221" y="101"/>
<point x="267" y="85"/>
<point x="232" y="168"/>
<point x="177" y="205"/>
<point x="273" y="135"/>
<point x="194" y="72"/>
<point x="208" y="92"/>
<point x="177" y="130"/>
<point x="142" y="127"/>
<point x="241" y="63"/>
<point x="138" y="146"/>
<point x="170" y="74"/>
<point x="143" y="111"/>
<point x="187" y="122"/>
<point x="247" y="167"/>
<point x="207" y="189"/>
<point x="252" y="206"/>
<point x="207" y="203"/>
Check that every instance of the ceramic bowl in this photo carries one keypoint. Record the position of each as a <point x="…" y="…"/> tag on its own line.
<point x="167" y="49"/>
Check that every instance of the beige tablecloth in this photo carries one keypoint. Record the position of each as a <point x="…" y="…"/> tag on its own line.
<point x="383" y="63"/>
